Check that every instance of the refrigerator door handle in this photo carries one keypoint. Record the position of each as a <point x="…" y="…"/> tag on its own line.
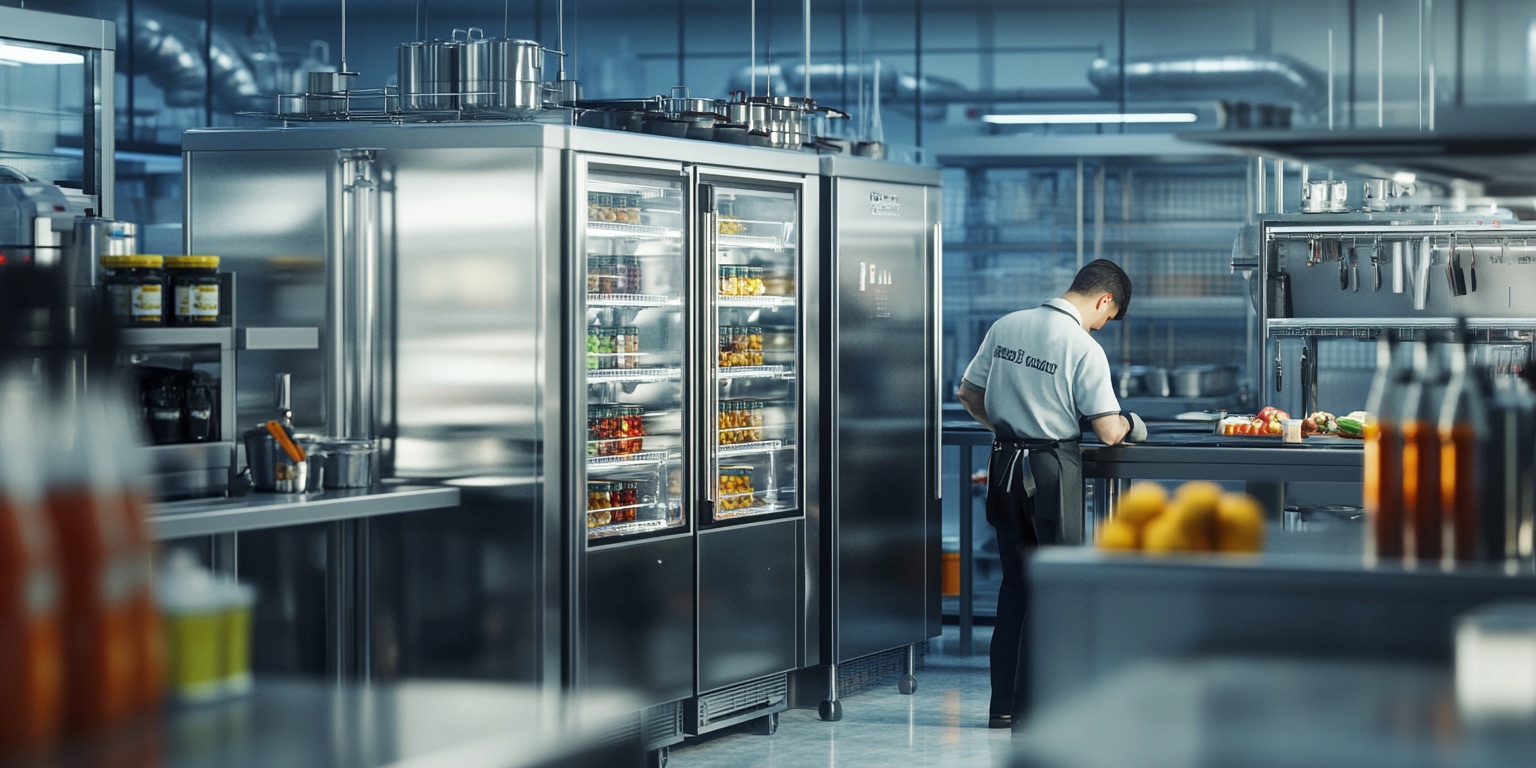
<point x="711" y="395"/>
<point x="936" y="298"/>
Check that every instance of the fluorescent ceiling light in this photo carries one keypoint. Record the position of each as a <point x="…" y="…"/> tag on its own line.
<point x="25" y="54"/>
<point x="1100" y="117"/>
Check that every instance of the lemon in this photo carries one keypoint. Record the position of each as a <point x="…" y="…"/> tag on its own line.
<point x="1239" y="523"/>
<point x="1165" y="533"/>
<point x="1118" y="535"/>
<point x="1140" y="503"/>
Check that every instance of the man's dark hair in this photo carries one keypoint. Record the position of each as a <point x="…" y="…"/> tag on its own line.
<point x="1105" y="276"/>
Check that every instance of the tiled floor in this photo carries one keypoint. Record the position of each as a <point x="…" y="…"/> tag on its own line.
<point x="944" y="723"/>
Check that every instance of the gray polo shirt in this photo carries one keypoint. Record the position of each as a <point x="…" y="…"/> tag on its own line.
<point x="1042" y="372"/>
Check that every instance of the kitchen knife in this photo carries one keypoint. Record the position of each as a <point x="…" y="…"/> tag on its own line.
<point x="1472" y="271"/>
<point x="1343" y="267"/>
<point x="1421" y="274"/>
<point x="1375" y="266"/>
<point x="1459" y="282"/>
<point x="1354" y="268"/>
<point x="1399" y="254"/>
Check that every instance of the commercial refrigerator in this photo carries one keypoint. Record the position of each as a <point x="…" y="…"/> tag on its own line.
<point x="606" y="340"/>
<point x="881" y="522"/>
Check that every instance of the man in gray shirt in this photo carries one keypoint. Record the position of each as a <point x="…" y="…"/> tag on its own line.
<point x="1038" y="378"/>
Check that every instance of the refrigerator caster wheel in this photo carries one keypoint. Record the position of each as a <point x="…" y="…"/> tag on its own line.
<point x="907" y="685"/>
<point x="657" y="758"/>
<point x="830" y="711"/>
<point x="766" y="725"/>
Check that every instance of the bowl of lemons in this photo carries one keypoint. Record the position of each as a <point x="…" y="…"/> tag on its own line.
<point x="1199" y="516"/>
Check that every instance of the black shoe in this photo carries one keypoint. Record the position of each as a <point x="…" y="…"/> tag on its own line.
<point x="1000" y="721"/>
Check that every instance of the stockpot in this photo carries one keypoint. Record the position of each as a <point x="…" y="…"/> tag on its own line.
<point x="501" y="76"/>
<point x="428" y="73"/>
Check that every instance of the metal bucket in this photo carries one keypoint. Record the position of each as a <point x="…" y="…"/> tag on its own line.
<point x="428" y="74"/>
<point x="327" y="93"/>
<point x="501" y="76"/>
<point x="349" y="463"/>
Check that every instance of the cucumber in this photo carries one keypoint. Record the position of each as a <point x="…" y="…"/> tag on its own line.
<point x="1351" y="427"/>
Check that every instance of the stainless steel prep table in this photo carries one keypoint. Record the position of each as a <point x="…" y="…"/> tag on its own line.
<point x="421" y="723"/>
<point x="1271" y="711"/>
<point x="203" y="517"/>
<point x="1263" y="463"/>
<point x="345" y="512"/>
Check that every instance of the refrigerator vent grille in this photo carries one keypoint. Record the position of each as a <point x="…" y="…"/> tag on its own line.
<point x="742" y="698"/>
<point x="664" y="724"/>
<point x="866" y="672"/>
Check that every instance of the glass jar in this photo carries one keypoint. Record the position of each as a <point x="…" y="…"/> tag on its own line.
<point x="632" y="428"/>
<point x="626" y="346"/>
<point x="736" y="491"/>
<point x="725" y="346"/>
<point x="755" y="421"/>
<point x="754" y="345"/>
<point x="752" y="283"/>
<point x="630" y="266"/>
<point x="594" y="347"/>
<point x="626" y="498"/>
<point x="632" y="208"/>
<point x="135" y="286"/>
<point x="599" y="503"/>
<point x="195" y="286"/>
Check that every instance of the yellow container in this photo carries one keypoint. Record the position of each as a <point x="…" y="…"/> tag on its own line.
<point x="949" y="574"/>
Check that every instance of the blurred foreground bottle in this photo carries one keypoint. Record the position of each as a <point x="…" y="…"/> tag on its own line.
<point x="1422" y="398"/>
<point x="1463" y="428"/>
<point x="1509" y="470"/>
<point x="31" y="646"/>
<point x="1383" y="480"/>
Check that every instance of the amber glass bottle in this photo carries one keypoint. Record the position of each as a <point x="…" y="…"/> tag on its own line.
<point x="1463" y="447"/>
<point x="1383" y="481"/>
<point x="1421" y="454"/>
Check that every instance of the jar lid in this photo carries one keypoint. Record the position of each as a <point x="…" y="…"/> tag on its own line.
<point x="192" y="262"/>
<point x="133" y="261"/>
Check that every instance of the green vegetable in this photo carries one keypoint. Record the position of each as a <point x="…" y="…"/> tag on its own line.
<point x="1351" y="427"/>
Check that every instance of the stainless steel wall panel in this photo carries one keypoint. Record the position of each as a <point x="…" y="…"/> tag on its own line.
<point x="749" y="602"/>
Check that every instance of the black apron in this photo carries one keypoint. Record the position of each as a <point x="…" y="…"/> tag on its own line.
<point x="1049" y="473"/>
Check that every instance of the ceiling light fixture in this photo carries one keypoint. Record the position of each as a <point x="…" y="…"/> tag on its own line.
<point x="1092" y="118"/>
<point x="26" y="54"/>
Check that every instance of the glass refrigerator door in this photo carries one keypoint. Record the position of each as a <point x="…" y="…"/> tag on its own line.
<point x="635" y="323"/>
<point x="754" y="379"/>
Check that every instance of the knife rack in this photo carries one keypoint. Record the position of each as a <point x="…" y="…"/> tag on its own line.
<point x="1318" y="293"/>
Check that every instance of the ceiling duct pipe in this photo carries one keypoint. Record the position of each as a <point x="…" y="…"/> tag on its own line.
<point x="1257" y="78"/>
<point x="897" y="89"/>
<point x="170" y="54"/>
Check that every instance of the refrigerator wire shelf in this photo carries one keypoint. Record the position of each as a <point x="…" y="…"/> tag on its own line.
<point x="642" y="459"/>
<point x="627" y="187"/>
<point x="621" y="529"/>
<point x="631" y="300"/>
<point x="636" y="231"/>
<point x="756" y="372"/>
<point x="751" y="511"/>
<point x="637" y="375"/>
<point x="751" y="241"/>
<point x="757" y="302"/>
<point x="739" y="449"/>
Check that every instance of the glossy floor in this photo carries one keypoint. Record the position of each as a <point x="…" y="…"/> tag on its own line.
<point x="943" y="723"/>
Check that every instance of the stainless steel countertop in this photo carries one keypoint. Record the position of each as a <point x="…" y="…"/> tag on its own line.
<point x="201" y="517"/>
<point x="1267" y="711"/>
<point x="423" y="724"/>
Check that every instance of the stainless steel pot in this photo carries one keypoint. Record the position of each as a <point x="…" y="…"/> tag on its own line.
<point x="428" y="74"/>
<point x="327" y="93"/>
<point x="349" y="463"/>
<point x="1203" y="380"/>
<point x="1144" y="381"/>
<point x="501" y="76"/>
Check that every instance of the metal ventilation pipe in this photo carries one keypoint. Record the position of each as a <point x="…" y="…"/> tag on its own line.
<point x="171" y="57"/>
<point x="1245" y="77"/>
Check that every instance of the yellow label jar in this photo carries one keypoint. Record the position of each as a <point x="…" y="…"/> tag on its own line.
<point x="196" y="287"/>
<point x="135" y="287"/>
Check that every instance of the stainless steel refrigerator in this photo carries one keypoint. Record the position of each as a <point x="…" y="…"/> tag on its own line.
<point x="880" y="422"/>
<point x="609" y="341"/>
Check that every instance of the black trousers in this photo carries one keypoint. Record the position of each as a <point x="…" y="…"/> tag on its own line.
<point x="1011" y="512"/>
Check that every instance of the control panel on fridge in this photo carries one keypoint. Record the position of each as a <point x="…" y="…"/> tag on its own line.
<point x="757" y="351"/>
<point x="635" y="303"/>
